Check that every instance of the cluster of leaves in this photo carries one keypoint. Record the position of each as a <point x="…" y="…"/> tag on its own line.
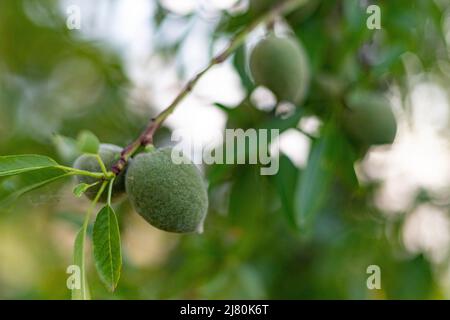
<point x="29" y="172"/>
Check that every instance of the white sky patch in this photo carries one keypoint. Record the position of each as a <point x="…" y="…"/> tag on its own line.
<point x="222" y="4"/>
<point x="185" y="7"/>
<point x="430" y="107"/>
<point x="294" y="145"/>
<point x="263" y="99"/>
<point x="180" y="7"/>
<point x="310" y="125"/>
<point x="194" y="115"/>
<point x="126" y="25"/>
<point x="221" y="84"/>
<point x="132" y="28"/>
<point x="198" y="118"/>
<point x="171" y="30"/>
<point x="194" y="53"/>
<point x="420" y="156"/>
<point x="427" y="230"/>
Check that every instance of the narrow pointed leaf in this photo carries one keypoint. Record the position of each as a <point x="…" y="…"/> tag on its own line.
<point x="314" y="182"/>
<point x="107" y="251"/>
<point x="285" y="182"/>
<point x="11" y="165"/>
<point x="80" y="189"/>
<point x="88" y="142"/>
<point x="81" y="293"/>
<point x="13" y="187"/>
<point x="331" y="160"/>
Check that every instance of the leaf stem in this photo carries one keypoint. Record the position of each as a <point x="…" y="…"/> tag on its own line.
<point x="83" y="235"/>
<point x="97" y="175"/>
<point x="101" y="163"/>
<point x="93" y="204"/>
<point x="111" y="183"/>
<point x="146" y="137"/>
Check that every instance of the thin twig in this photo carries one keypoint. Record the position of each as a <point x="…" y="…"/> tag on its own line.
<point x="146" y="137"/>
<point x="110" y="190"/>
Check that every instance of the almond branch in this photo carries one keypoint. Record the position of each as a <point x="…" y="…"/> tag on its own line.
<point x="146" y="138"/>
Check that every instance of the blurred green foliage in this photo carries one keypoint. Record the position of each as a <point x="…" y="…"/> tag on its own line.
<point x="55" y="83"/>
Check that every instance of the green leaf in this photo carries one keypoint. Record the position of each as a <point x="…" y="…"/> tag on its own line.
<point x="14" y="187"/>
<point x="11" y="165"/>
<point x="285" y="181"/>
<point x="78" y="259"/>
<point x="331" y="159"/>
<point x="80" y="189"/>
<point x="342" y="158"/>
<point x="248" y="184"/>
<point x="88" y="142"/>
<point x="314" y="182"/>
<point x="107" y="251"/>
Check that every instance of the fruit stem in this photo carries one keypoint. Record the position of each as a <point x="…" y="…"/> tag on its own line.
<point x="146" y="137"/>
<point x="84" y="232"/>
<point x="101" y="164"/>
<point x="110" y="187"/>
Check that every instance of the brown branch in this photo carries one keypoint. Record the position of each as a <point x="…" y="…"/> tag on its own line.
<point x="146" y="138"/>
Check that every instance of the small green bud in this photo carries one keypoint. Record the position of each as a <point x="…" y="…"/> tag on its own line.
<point x="110" y="154"/>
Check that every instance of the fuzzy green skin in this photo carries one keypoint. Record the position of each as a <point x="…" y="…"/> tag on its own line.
<point x="171" y="197"/>
<point x="369" y="118"/>
<point x="109" y="154"/>
<point x="280" y="64"/>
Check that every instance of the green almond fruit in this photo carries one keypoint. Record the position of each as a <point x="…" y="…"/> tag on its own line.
<point x="369" y="118"/>
<point x="281" y="65"/>
<point x="171" y="197"/>
<point x="110" y="154"/>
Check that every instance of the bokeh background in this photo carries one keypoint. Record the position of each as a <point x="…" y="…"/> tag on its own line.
<point x="129" y="60"/>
